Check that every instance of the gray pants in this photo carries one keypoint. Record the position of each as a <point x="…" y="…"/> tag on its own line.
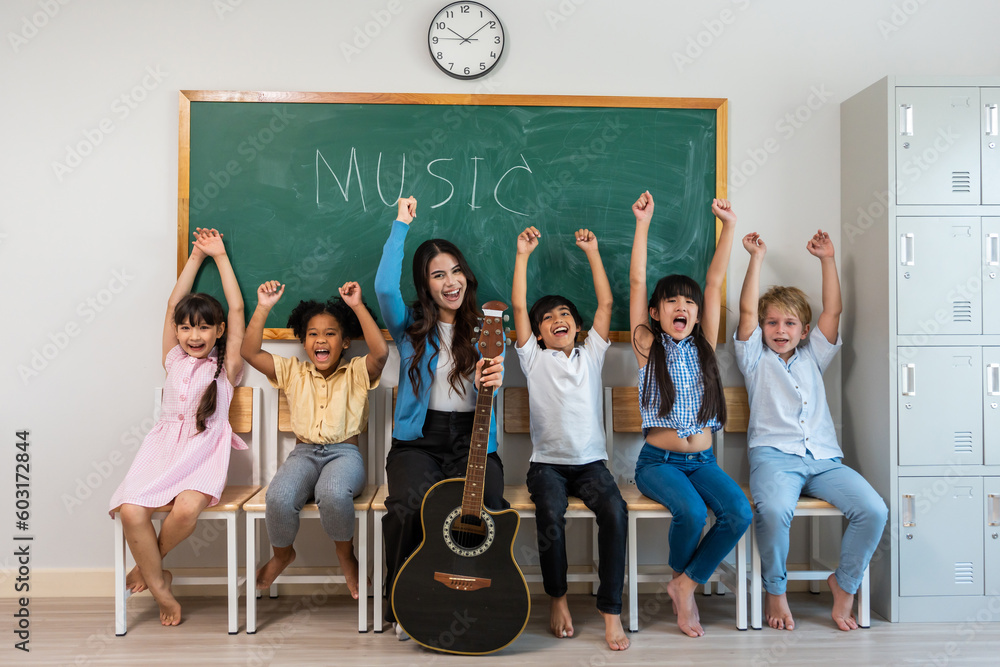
<point x="329" y="475"/>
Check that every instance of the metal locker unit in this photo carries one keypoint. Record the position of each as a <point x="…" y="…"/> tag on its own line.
<point x="991" y="406"/>
<point x="990" y="98"/>
<point x="940" y="550"/>
<point x="937" y="145"/>
<point x="940" y="418"/>
<point x="991" y="275"/>
<point x="991" y="538"/>
<point x="938" y="282"/>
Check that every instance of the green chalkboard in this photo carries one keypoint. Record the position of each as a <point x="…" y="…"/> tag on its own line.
<point x="303" y="186"/>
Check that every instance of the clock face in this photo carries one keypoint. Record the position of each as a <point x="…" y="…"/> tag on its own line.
<point x="466" y="40"/>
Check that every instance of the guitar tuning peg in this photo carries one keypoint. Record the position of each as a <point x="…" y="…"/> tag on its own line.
<point x="475" y="330"/>
<point x="506" y="318"/>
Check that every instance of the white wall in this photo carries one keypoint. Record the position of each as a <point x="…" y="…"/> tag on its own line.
<point x="65" y="237"/>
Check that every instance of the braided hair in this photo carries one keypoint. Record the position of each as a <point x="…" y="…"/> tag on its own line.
<point x="197" y="308"/>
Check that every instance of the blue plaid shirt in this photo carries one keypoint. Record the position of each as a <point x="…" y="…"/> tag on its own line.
<point x="685" y="371"/>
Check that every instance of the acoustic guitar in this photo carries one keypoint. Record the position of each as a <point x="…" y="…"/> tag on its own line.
<point x="461" y="591"/>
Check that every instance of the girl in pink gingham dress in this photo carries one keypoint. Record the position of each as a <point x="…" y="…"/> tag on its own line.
<point x="185" y="457"/>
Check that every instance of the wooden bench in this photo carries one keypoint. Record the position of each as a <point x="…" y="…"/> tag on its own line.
<point x="244" y="417"/>
<point x="256" y="507"/>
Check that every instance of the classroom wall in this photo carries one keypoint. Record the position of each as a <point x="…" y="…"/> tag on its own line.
<point x="88" y="172"/>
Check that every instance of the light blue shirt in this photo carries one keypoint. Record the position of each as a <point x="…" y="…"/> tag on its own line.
<point x="788" y="408"/>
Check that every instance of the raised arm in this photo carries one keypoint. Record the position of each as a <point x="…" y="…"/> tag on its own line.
<point x="828" y="323"/>
<point x="181" y="289"/>
<point x="587" y="241"/>
<point x="268" y="294"/>
<point x="390" y="270"/>
<point x="638" y="301"/>
<point x="210" y="242"/>
<point x="750" y="296"/>
<point x="716" y="276"/>
<point x="527" y="241"/>
<point x="378" y="350"/>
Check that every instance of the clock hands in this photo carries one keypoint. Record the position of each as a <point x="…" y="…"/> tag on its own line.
<point x="480" y="28"/>
<point x="464" y="39"/>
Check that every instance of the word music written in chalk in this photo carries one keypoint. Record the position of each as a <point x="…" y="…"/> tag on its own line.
<point x="445" y="169"/>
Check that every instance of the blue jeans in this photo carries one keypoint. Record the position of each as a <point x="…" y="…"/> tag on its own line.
<point x="689" y="485"/>
<point x="331" y="475"/>
<point x="776" y="481"/>
<point x="550" y="484"/>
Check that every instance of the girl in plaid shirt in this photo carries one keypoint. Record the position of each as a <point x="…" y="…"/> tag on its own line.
<point x="682" y="404"/>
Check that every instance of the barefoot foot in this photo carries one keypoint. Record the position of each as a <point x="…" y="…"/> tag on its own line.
<point x="777" y="613"/>
<point x="843" y="606"/>
<point x="681" y="591"/>
<point x="349" y="566"/>
<point x="281" y="559"/>
<point x="614" y="633"/>
<point x="170" y="608"/>
<point x="560" y="621"/>
<point x="134" y="581"/>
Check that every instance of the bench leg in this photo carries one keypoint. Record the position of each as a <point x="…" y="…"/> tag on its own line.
<point x="232" y="573"/>
<point x="251" y="572"/>
<point x="864" y="601"/>
<point x="362" y="520"/>
<point x="814" y="563"/>
<point x="633" y="575"/>
<point x="121" y="619"/>
<point x="756" y="603"/>
<point x="741" y="583"/>
<point x="378" y="558"/>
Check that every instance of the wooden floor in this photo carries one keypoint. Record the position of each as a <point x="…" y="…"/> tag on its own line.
<point x="301" y="631"/>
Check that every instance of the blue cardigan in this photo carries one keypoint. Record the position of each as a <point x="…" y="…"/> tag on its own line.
<point x="411" y="408"/>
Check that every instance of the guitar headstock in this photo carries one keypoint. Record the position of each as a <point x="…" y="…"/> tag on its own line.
<point x="492" y="337"/>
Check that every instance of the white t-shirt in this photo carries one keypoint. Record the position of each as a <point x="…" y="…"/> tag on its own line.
<point x="443" y="395"/>
<point x="564" y="397"/>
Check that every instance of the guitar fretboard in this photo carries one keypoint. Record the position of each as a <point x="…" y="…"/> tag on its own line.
<point x="475" y="473"/>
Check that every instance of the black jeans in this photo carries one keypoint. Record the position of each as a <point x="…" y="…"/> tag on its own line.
<point x="414" y="466"/>
<point x="550" y="484"/>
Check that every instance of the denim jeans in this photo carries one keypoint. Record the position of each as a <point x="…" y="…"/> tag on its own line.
<point x="550" y="484"/>
<point x="329" y="474"/>
<point x="689" y="485"/>
<point x="777" y="479"/>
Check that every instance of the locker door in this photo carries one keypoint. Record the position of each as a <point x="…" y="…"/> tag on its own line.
<point x="940" y="543"/>
<point x="991" y="144"/>
<point x="937" y="145"/>
<point x="991" y="491"/>
<point x="938" y="276"/>
<point x="939" y="401"/>
<point x="991" y="405"/>
<point x="991" y="275"/>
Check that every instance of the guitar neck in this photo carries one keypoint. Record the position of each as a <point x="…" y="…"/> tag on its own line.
<point x="475" y="473"/>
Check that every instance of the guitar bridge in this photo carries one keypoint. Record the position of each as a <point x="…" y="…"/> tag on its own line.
<point x="461" y="583"/>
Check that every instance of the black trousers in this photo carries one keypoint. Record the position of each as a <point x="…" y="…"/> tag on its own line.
<point x="414" y="466"/>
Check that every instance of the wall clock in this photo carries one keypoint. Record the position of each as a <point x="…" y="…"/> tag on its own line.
<point x="465" y="40"/>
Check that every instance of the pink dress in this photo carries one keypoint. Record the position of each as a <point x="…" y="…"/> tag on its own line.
<point x="174" y="457"/>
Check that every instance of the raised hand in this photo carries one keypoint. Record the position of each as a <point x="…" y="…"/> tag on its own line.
<point x="586" y="240"/>
<point x="820" y="245"/>
<point x="723" y="210"/>
<point x="407" y="209"/>
<point x="209" y="241"/>
<point x="527" y="241"/>
<point x="754" y="244"/>
<point x="489" y="376"/>
<point x="350" y="292"/>
<point x="269" y="293"/>
<point x="643" y="208"/>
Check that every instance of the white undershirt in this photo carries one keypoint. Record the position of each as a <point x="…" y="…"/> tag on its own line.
<point x="444" y="398"/>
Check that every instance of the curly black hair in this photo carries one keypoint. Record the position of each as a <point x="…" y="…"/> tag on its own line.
<point x="299" y="318"/>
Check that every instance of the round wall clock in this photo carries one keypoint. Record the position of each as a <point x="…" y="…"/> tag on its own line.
<point x="465" y="40"/>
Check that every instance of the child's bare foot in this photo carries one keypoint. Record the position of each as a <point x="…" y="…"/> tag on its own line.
<point x="843" y="606"/>
<point x="170" y="608"/>
<point x="681" y="591"/>
<point x="134" y="581"/>
<point x="777" y="613"/>
<point x="614" y="633"/>
<point x="560" y="622"/>
<point x="281" y="559"/>
<point x="349" y="566"/>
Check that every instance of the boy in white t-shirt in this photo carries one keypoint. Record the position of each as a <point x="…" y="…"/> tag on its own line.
<point x="567" y="434"/>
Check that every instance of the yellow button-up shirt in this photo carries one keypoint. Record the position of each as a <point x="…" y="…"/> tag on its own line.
<point x="325" y="410"/>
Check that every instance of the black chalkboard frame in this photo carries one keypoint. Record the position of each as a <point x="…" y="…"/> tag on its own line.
<point x="719" y="105"/>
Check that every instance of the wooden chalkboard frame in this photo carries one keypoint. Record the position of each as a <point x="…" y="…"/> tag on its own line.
<point x="720" y="105"/>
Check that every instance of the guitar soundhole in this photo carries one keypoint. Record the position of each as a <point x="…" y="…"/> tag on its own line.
<point x="467" y="536"/>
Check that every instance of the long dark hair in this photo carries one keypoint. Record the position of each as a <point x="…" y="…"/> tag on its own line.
<point x="197" y="308"/>
<point x="425" y="316"/>
<point x="713" y="402"/>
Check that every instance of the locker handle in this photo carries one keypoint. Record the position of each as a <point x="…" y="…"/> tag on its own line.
<point x="906" y="120"/>
<point x="906" y="249"/>
<point x="993" y="379"/>
<point x="908" y="378"/>
<point x="993" y="249"/>
<point x="994" y="501"/>
<point x="991" y="120"/>
<point x="909" y="520"/>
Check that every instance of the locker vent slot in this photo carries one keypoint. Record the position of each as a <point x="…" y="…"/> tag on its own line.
<point x="963" y="442"/>
<point x="961" y="311"/>
<point x="964" y="573"/>
<point x="961" y="181"/>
